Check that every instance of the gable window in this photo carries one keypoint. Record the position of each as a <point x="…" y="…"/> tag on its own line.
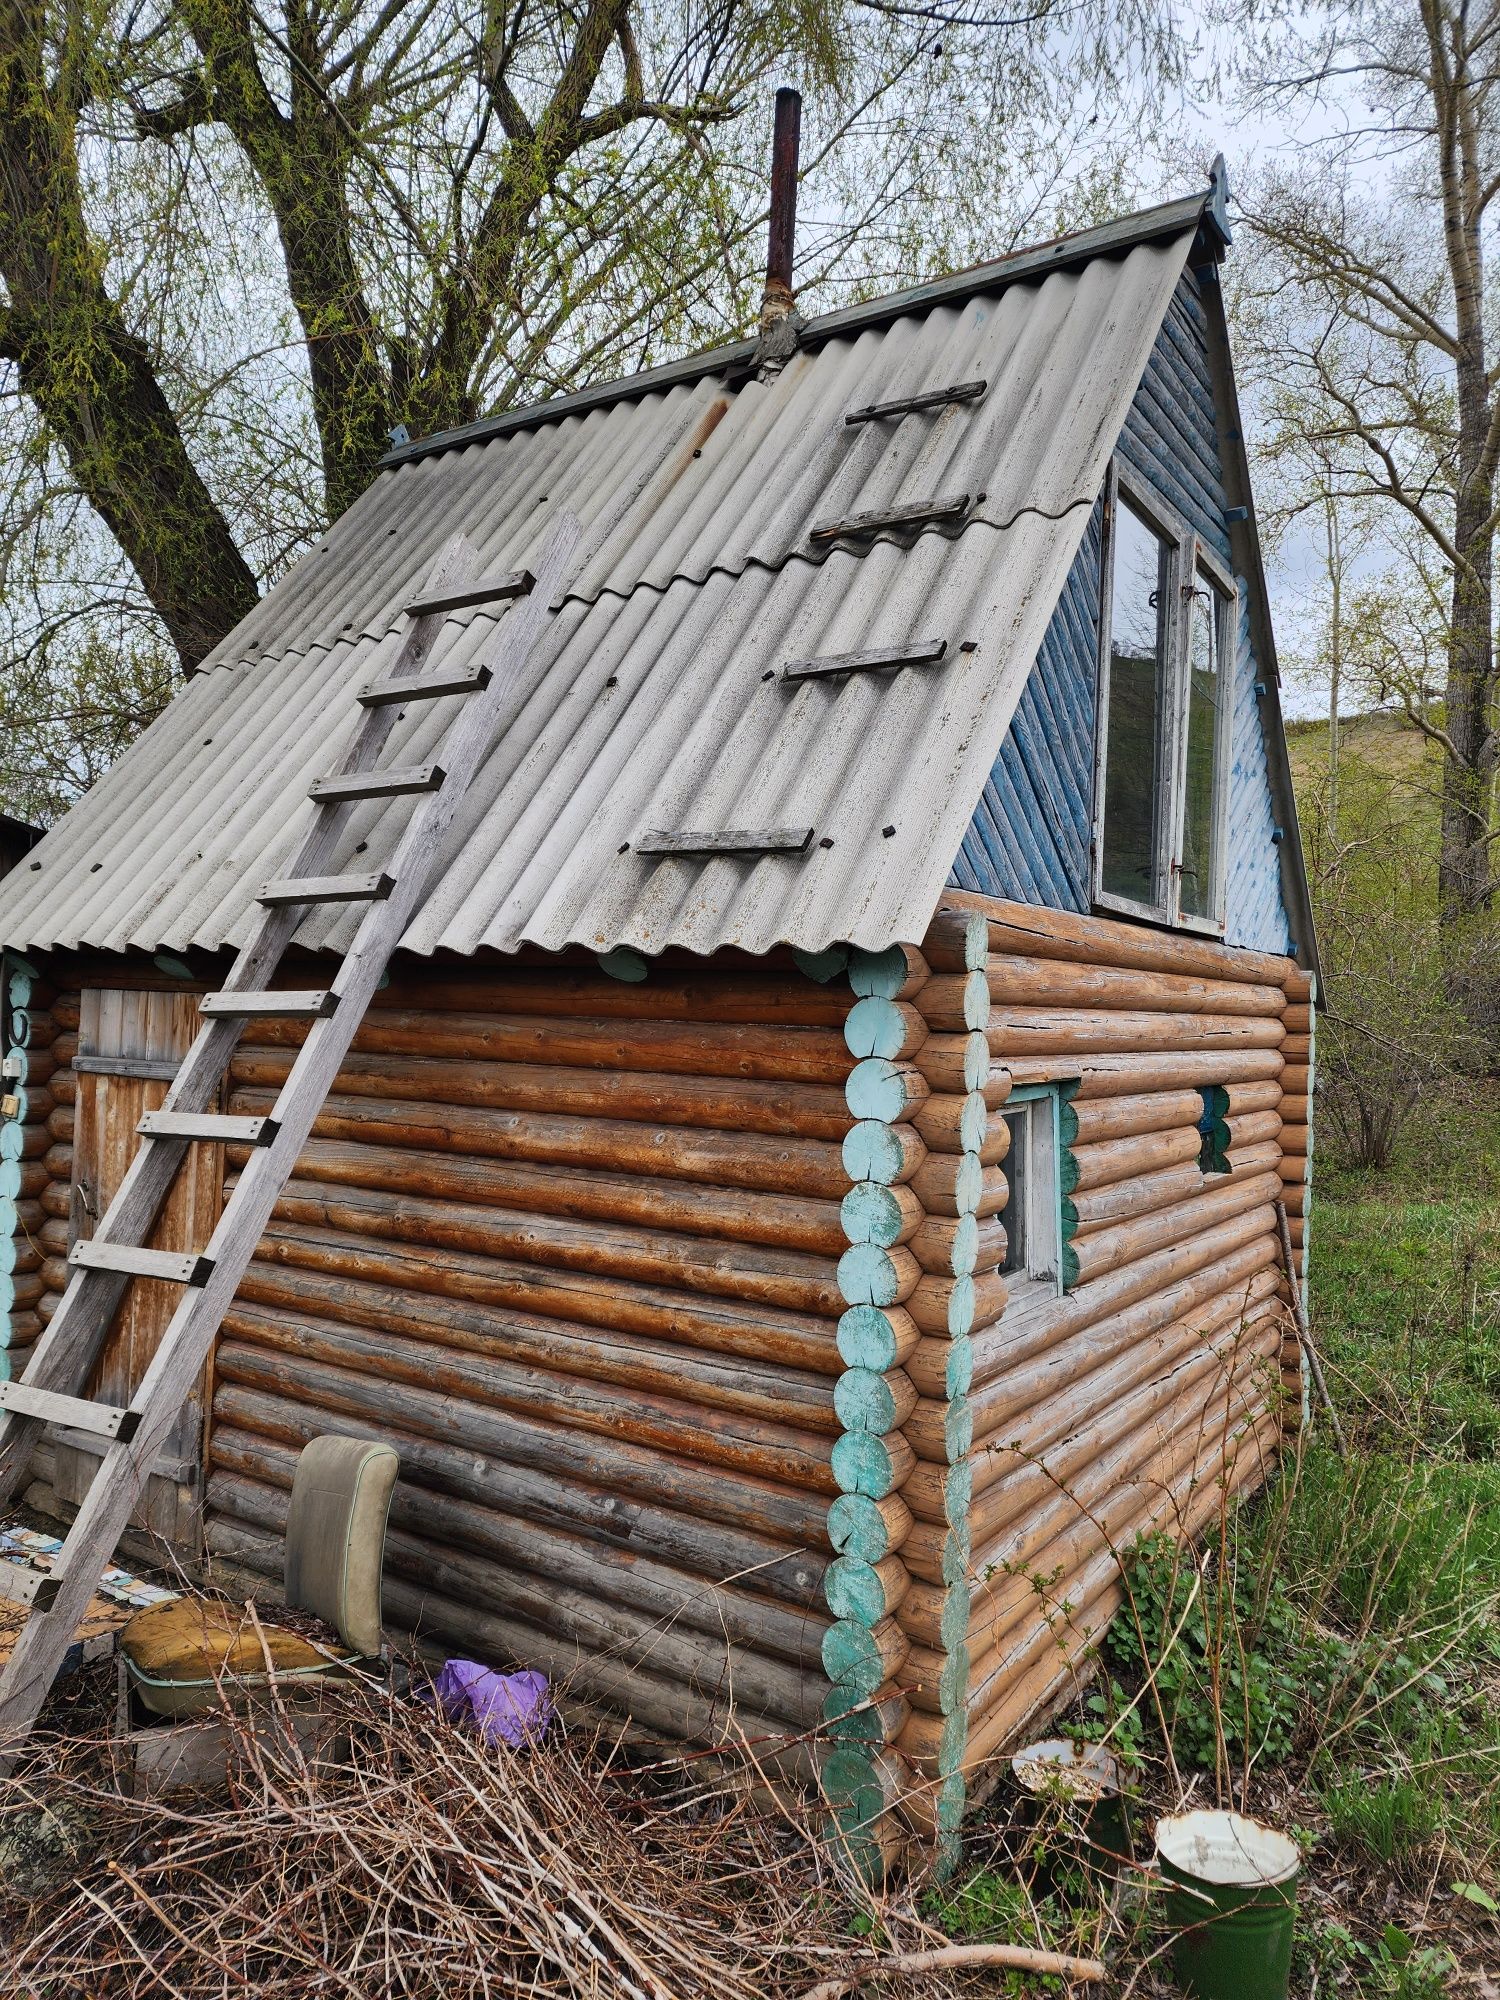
<point x="1165" y="716"/>
<point x="1032" y="1216"/>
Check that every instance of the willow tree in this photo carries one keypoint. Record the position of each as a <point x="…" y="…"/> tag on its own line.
<point x="245" y="243"/>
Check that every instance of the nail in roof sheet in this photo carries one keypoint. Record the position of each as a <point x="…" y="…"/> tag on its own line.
<point x="653" y="701"/>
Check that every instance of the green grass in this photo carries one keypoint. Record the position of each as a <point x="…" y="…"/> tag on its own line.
<point x="1405" y="1285"/>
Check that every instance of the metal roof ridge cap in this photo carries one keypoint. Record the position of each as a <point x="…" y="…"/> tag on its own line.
<point x="618" y="389"/>
<point x="1126" y="232"/>
<point x="1171" y="218"/>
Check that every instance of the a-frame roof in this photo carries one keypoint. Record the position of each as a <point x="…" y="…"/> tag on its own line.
<point x="657" y="700"/>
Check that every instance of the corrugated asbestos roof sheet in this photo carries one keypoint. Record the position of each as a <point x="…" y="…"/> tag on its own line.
<point x="656" y="699"/>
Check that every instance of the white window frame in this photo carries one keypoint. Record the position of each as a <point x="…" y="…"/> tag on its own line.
<point x="1190" y="558"/>
<point x="1040" y="1194"/>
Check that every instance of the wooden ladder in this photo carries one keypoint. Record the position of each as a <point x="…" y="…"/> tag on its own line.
<point x="51" y="1391"/>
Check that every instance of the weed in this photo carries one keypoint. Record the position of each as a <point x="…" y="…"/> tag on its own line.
<point x="1227" y="1670"/>
<point x="1388" y="1820"/>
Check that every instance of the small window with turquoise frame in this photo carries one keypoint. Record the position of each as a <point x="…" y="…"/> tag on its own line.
<point x="1032" y="1216"/>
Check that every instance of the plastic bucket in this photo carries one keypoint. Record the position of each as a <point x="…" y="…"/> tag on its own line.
<point x="1231" y="1902"/>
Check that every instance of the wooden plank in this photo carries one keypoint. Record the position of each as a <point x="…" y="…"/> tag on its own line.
<point x="38" y="1589"/>
<point x="948" y="507"/>
<point x="395" y="781"/>
<point x="281" y="1002"/>
<point x="927" y="399"/>
<point x="458" y="597"/>
<point x="99" y="1419"/>
<point x="294" y="890"/>
<point x="921" y="654"/>
<point x="766" y="840"/>
<point x="215" y="1126"/>
<point x="179" y="1267"/>
<point x="424" y="687"/>
<point x="154" y="1069"/>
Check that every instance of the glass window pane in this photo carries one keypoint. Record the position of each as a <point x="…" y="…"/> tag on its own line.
<point x="1138" y="638"/>
<point x="1013" y="1215"/>
<point x="1207" y="717"/>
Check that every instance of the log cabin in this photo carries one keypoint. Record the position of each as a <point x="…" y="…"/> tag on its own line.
<point x="805" y="1197"/>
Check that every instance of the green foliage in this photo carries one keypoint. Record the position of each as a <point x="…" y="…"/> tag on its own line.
<point x="988" y="1907"/>
<point x="1387" y="1819"/>
<point x="1402" y="1035"/>
<point x="1387" y="1545"/>
<point x="239" y="247"/>
<point x="1223" y="1659"/>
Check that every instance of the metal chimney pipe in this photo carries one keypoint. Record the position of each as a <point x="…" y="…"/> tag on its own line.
<point x="778" y="299"/>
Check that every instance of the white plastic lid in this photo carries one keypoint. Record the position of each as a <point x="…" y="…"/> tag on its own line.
<point x="1227" y="1850"/>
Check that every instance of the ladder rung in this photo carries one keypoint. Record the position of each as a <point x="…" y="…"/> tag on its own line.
<point x="328" y="889"/>
<point x="927" y="399"/>
<point x="947" y="507"/>
<point x="920" y="655"/>
<point x="424" y="687"/>
<point x="215" y="1126"/>
<point x="485" y="590"/>
<point x="766" y="840"/>
<point x="76" y="1412"/>
<point x="279" y="1001"/>
<point x="33" y="1587"/>
<point x="181" y="1267"/>
<point x="387" y="784"/>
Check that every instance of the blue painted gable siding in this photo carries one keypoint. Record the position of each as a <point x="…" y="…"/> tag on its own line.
<point x="1029" y="838"/>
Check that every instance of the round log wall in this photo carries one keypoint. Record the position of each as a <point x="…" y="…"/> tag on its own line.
<point x="1157" y="1383"/>
<point x="571" y="1246"/>
<point x="682" y="1302"/>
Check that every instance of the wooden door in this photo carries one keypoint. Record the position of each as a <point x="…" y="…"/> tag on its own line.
<point x="129" y="1047"/>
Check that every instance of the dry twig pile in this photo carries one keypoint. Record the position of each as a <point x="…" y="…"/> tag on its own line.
<point x="431" y="1863"/>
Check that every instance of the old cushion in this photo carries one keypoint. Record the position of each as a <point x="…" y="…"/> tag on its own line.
<point x="176" y="1652"/>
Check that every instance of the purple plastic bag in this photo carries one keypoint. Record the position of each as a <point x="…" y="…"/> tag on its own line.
<point x="507" y="1708"/>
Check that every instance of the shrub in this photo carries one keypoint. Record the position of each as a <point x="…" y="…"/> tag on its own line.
<point x="1224" y="1657"/>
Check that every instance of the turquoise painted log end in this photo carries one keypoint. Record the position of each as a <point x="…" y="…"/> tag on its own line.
<point x="953" y="1682"/>
<point x="958" y="1492"/>
<point x="878" y="973"/>
<point x="958" y="1430"/>
<point x="863" y="1463"/>
<point x="879" y="1088"/>
<point x="846" y="1720"/>
<point x="958" y="1554"/>
<point x="876" y="1027"/>
<point x="862" y="1401"/>
<point x="867" y="1339"/>
<point x="870" y="1213"/>
<point x="953" y="1620"/>
<point x="872" y="1152"/>
<point x="856" y="1527"/>
<point x="853" y="1591"/>
<point x="623" y="963"/>
<point x="868" y="1276"/>
<point x="821" y="966"/>
<point x="852" y="1658"/>
<point x="958" y="1375"/>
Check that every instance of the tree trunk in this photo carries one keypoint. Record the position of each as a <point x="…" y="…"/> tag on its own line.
<point x="88" y="374"/>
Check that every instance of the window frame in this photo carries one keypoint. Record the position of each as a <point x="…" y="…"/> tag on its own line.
<point x="1189" y="557"/>
<point x="1041" y="1192"/>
